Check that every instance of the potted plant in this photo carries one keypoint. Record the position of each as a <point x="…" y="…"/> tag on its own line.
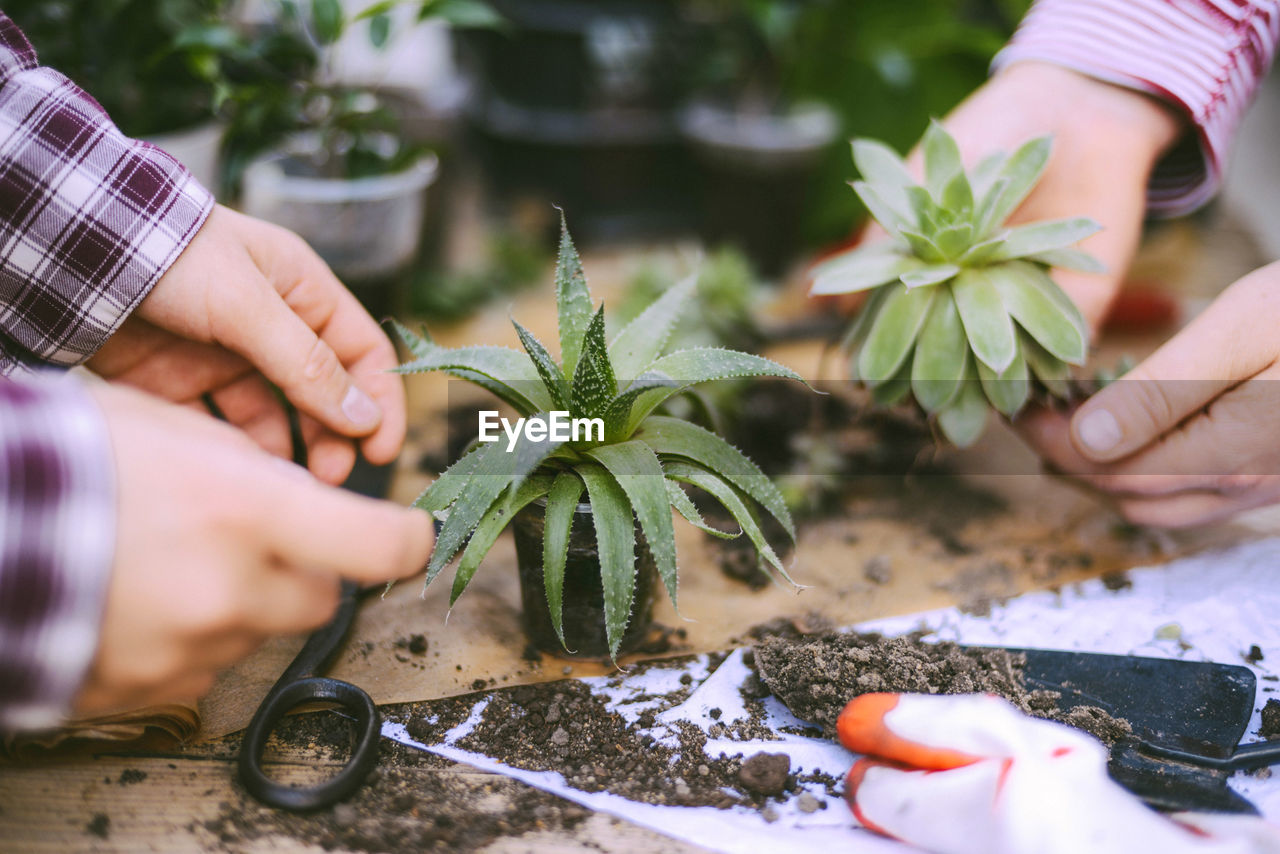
<point x="592" y="511"/>
<point x="962" y="313"/>
<point x="757" y="142"/>
<point x="327" y="159"/>
<point x="158" y="67"/>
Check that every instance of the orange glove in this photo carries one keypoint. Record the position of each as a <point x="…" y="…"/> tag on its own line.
<point x="970" y="774"/>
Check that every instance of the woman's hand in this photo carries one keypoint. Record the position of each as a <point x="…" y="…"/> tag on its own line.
<point x="248" y="305"/>
<point x="219" y="546"/>
<point x="1189" y="436"/>
<point x="1106" y="141"/>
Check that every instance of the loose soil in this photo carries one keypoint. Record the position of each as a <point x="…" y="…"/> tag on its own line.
<point x="816" y="676"/>
<point x="1270" y="728"/>
<point x="563" y="727"/>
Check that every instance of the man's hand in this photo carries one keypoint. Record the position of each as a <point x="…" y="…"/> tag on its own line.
<point x="247" y="305"/>
<point x="1190" y="435"/>
<point x="220" y="545"/>
<point x="1106" y="141"/>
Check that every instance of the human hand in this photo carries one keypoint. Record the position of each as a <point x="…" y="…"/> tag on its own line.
<point x="246" y="305"/>
<point x="1188" y="436"/>
<point x="970" y="774"/>
<point x="218" y="546"/>
<point x="1106" y="141"/>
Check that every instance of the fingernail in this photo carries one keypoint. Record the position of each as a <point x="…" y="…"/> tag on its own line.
<point x="1099" y="431"/>
<point x="359" y="407"/>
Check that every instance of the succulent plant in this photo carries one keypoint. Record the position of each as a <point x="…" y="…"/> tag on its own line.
<point x="637" y="471"/>
<point x="963" y="313"/>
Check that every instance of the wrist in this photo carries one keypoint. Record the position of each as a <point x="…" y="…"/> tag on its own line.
<point x="1132" y="123"/>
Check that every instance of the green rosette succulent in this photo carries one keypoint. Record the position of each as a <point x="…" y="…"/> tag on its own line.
<point x="636" y="471"/>
<point x="962" y="314"/>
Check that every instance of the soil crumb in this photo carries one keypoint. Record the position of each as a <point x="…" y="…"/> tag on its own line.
<point x="129" y="776"/>
<point x="1270" y="728"/>
<point x="815" y="676"/>
<point x="765" y="773"/>
<point x="99" y="825"/>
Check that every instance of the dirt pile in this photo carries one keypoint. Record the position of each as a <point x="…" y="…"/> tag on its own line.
<point x="816" y="675"/>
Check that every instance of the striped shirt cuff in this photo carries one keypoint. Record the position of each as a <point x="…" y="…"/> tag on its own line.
<point x="1206" y="57"/>
<point x="57" y="537"/>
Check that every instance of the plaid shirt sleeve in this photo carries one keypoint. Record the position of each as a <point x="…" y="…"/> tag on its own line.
<point x="1206" y="57"/>
<point x="89" y="219"/>
<point x="57" y="530"/>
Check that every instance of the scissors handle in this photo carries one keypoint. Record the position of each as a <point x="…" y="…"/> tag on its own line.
<point x="279" y="702"/>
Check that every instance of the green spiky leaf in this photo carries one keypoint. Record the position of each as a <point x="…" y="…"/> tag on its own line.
<point x="636" y="469"/>
<point x="493" y="523"/>
<point x="548" y="370"/>
<point x="573" y="301"/>
<point x="507" y="372"/>
<point x="594" y="385"/>
<point x="671" y="437"/>
<point x="863" y="268"/>
<point x="685" y="507"/>
<point x="637" y="345"/>
<point x="557" y="528"/>
<point x="616" y="546"/>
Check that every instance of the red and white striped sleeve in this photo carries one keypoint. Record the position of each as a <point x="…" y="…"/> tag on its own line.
<point x="1206" y="57"/>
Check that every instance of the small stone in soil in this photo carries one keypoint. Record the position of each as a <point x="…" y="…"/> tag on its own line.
<point x="345" y="815"/>
<point x="129" y="776"/>
<point x="99" y="825"/>
<point x="807" y="803"/>
<point x="1254" y="655"/>
<point x="1270" y="728"/>
<point x="769" y="814"/>
<point x="765" y="773"/>
<point x="878" y="570"/>
<point x="715" y="714"/>
<point x="418" y="644"/>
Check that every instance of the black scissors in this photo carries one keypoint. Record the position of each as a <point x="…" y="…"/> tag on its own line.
<point x="301" y="683"/>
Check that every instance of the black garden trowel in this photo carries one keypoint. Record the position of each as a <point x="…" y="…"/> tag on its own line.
<point x="1188" y="719"/>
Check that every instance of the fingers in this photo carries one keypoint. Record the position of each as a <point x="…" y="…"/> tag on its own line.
<point x="313" y="293"/>
<point x="317" y="528"/>
<point x="250" y="404"/>
<point x="863" y="727"/>
<point x="288" y="601"/>
<point x="1221" y="348"/>
<point x="330" y="457"/>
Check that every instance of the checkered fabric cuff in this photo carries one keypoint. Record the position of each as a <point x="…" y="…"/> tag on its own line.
<point x="57" y="536"/>
<point x="89" y="219"/>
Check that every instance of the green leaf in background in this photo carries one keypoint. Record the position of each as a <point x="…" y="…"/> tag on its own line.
<point x="557" y="528"/>
<point x="379" y="30"/>
<point x="462" y="14"/>
<point x="1016" y="178"/>
<point x="894" y="389"/>
<point x="327" y="20"/>
<point x="1069" y="259"/>
<point x="880" y="165"/>
<point x="616" y="545"/>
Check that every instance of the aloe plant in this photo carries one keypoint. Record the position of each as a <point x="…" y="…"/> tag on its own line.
<point x="638" y="470"/>
<point x="963" y="313"/>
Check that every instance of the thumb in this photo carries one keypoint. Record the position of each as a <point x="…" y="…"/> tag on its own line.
<point x="1220" y="348"/>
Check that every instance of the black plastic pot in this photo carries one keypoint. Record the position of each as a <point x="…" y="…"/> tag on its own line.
<point x="576" y="105"/>
<point x="757" y="168"/>
<point x="584" y="624"/>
